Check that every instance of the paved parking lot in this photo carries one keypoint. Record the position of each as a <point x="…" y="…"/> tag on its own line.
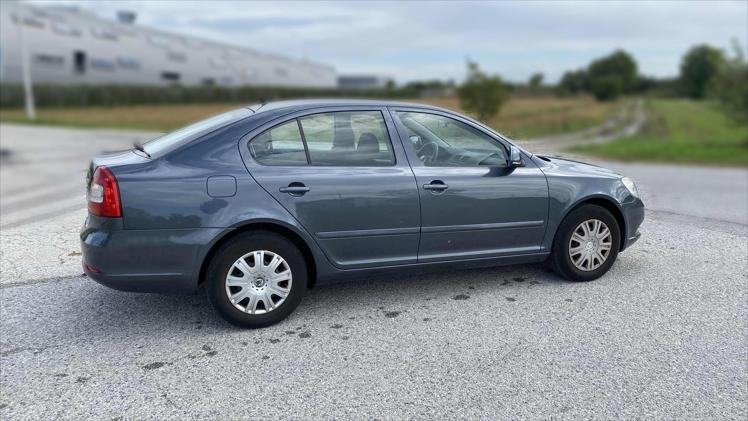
<point x="662" y="335"/>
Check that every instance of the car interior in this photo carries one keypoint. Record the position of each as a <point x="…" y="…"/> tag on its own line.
<point x="332" y="139"/>
<point x="458" y="146"/>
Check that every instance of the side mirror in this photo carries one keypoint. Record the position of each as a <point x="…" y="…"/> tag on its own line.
<point x="515" y="158"/>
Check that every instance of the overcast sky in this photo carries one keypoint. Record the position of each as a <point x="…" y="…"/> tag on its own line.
<point x="420" y="40"/>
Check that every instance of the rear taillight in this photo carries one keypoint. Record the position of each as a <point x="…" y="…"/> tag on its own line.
<point x="103" y="194"/>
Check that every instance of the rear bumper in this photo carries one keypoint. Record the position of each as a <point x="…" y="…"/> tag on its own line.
<point x="144" y="260"/>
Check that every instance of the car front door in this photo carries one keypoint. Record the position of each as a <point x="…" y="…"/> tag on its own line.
<point x="340" y="175"/>
<point x="473" y="203"/>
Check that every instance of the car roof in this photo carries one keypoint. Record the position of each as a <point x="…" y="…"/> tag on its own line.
<point x="305" y="104"/>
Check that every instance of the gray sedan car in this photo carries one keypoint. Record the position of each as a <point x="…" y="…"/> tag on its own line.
<point x="258" y="204"/>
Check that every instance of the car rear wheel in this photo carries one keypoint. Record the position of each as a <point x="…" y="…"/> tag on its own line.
<point x="586" y="244"/>
<point x="256" y="279"/>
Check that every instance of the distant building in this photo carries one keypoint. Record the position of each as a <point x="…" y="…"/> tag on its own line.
<point x="71" y="46"/>
<point x="363" y="82"/>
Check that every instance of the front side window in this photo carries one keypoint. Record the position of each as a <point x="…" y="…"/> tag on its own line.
<point x="351" y="138"/>
<point x="445" y="142"/>
<point x="281" y="145"/>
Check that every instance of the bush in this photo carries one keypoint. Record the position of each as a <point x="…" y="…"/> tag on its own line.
<point x="481" y="94"/>
<point x="620" y="64"/>
<point x="574" y="82"/>
<point x="730" y="86"/>
<point x="607" y="77"/>
<point x="11" y="96"/>
<point x="699" y="66"/>
<point x="607" y="88"/>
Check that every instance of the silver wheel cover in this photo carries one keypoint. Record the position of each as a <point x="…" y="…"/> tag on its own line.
<point x="258" y="282"/>
<point x="590" y="245"/>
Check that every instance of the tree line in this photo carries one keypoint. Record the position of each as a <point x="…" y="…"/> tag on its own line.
<point x="705" y="72"/>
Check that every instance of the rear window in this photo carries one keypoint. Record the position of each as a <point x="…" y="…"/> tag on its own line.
<point x="171" y="141"/>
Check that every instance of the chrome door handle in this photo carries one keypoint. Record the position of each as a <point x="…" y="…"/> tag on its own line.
<point x="295" y="189"/>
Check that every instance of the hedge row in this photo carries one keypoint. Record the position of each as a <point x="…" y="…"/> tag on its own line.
<point x="11" y="96"/>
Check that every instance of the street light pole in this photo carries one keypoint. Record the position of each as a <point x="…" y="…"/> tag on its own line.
<point x="28" y="90"/>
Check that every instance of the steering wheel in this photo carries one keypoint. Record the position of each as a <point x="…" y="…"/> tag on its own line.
<point x="489" y="156"/>
<point x="428" y="157"/>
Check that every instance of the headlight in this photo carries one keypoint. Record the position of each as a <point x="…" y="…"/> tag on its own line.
<point x="629" y="183"/>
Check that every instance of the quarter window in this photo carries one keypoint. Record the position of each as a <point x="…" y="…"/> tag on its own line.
<point x="445" y="142"/>
<point x="281" y="145"/>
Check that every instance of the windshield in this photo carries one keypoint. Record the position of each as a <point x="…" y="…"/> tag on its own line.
<point x="181" y="136"/>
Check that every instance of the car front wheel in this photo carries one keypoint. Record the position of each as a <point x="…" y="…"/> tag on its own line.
<point x="586" y="244"/>
<point x="256" y="279"/>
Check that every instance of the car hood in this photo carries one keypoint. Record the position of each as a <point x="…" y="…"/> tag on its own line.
<point x="565" y="166"/>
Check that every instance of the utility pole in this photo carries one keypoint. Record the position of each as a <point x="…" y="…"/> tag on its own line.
<point x="28" y="90"/>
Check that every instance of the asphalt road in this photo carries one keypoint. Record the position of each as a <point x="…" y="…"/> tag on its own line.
<point x="662" y="335"/>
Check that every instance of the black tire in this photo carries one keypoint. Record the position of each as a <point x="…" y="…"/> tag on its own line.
<point x="561" y="261"/>
<point x="237" y="247"/>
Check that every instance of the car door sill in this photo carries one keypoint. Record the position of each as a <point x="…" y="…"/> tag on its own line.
<point x="480" y="227"/>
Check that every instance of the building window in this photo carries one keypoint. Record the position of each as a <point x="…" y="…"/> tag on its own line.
<point x="279" y="71"/>
<point x="65" y="29"/>
<point x="193" y="43"/>
<point x="33" y="22"/>
<point x="49" y="60"/>
<point x="158" y="40"/>
<point x="79" y="62"/>
<point x="128" y="63"/>
<point x="208" y="81"/>
<point x="176" y="56"/>
<point x="170" y="76"/>
<point x="102" y="64"/>
<point x="103" y="33"/>
<point x="126" y="32"/>
<point x="218" y="63"/>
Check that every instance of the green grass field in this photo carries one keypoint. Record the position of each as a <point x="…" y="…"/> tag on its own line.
<point x="519" y="118"/>
<point x="680" y="131"/>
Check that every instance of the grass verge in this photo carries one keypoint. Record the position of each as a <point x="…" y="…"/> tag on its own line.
<point x="525" y="118"/>
<point x="520" y="118"/>
<point x="680" y="131"/>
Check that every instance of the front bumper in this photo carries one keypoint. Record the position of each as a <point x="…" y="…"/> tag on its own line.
<point x="144" y="260"/>
<point x="633" y="214"/>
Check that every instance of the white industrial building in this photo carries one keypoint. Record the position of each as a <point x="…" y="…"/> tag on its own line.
<point x="73" y="46"/>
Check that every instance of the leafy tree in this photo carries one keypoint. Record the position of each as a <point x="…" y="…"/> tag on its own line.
<point x="482" y="94"/>
<point x="574" y="81"/>
<point x="618" y="65"/>
<point x="699" y="66"/>
<point x="607" y="87"/>
<point x="536" y="80"/>
<point x="730" y="85"/>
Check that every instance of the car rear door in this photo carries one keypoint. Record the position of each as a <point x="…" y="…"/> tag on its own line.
<point x="473" y="204"/>
<point x="338" y="172"/>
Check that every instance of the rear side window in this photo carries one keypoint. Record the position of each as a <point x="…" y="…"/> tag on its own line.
<point x="281" y="145"/>
<point x="355" y="138"/>
<point x="348" y="139"/>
